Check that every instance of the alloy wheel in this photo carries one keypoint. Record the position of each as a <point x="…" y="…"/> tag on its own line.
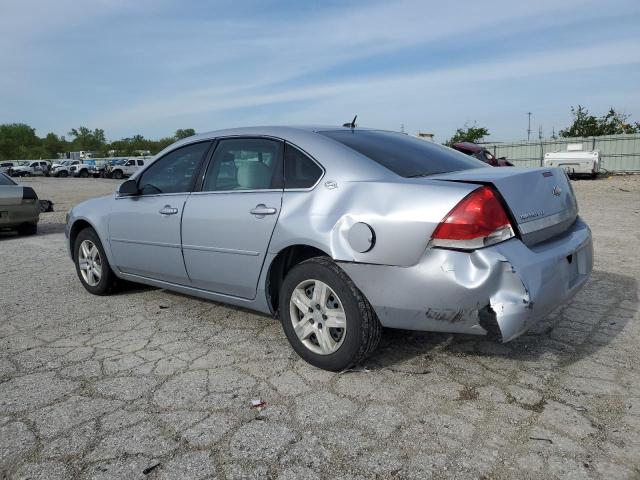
<point x="318" y="317"/>
<point x="90" y="263"/>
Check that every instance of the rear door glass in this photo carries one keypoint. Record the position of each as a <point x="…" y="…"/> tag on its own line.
<point x="403" y="154"/>
<point x="299" y="170"/>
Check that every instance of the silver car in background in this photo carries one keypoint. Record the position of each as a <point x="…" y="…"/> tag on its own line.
<point x="19" y="207"/>
<point x="339" y="232"/>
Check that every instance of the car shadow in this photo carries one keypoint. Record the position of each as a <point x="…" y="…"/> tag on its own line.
<point x="50" y="228"/>
<point x="47" y="228"/>
<point x="589" y="322"/>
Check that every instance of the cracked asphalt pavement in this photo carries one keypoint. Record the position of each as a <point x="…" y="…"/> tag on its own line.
<point x="155" y="385"/>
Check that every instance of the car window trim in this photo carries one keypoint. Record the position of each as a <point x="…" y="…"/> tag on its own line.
<point x="209" y="162"/>
<point x="192" y="182"/>
<point x="314" y="161"/>
<point x="215" y="142"/>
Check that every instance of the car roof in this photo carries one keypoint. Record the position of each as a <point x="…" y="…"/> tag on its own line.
<point x="339" y="161"/>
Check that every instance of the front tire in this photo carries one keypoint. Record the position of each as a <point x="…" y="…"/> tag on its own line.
<point x="327" y="320"/>
<point x="117" y="175"/>
<point x="92" y="266"/>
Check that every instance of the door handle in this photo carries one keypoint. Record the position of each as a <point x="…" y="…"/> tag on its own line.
<point x="168" y="210"/>
<point x="261" y="210"/>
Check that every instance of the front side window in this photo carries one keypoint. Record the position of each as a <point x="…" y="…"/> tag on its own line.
<point x="402" y="154"/>
<point x="130" y="163"/>
<point x="245" y="164"/>
<point x="173" y="173"/>
<point x="299" y="170"/>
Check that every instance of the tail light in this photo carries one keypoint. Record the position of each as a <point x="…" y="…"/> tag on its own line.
<point x="477" y="221"/>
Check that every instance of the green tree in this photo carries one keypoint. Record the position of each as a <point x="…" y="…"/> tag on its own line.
<point x="184" y="133"/>
<point x="86" y="139"/>
<point x="586" y="125"/>
<point x="471" y="134"/>
<point x="18" y="141"/>
<point x="52" y="145"/>
<point x="614" y="123"/>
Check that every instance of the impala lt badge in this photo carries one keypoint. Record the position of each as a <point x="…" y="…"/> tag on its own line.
<point x="532" y="214"/>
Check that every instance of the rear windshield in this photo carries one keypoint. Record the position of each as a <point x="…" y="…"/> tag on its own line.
<point x="402" y="154"/>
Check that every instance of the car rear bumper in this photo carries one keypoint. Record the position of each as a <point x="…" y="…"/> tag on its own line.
<point x="16" y="215"/>
<point x="499" y="291"/>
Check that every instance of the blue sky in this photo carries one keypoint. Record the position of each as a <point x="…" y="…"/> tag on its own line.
<point x="152" y="66"/>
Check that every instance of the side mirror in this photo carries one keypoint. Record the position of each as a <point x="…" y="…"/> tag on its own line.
<point x="128" y="188"/>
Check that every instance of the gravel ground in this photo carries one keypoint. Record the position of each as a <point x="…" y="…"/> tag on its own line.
<point x="152" y="384"/>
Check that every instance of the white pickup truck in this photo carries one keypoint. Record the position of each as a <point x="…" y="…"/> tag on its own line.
<point x="126" y="169"/>
<point x="30" y="168"/>
<point x="62" y="169"/>
<point x="575" y="162"/>
<point x="82" y="170"/>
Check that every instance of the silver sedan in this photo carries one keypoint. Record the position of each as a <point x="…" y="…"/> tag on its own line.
<point x="339" y="232"/>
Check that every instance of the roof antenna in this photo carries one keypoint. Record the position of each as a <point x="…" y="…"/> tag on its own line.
<point x="351" y="125"/>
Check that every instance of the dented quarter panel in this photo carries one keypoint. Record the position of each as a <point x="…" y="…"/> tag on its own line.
<point x="402" y="215"/>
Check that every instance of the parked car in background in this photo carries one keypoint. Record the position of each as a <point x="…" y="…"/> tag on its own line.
<point x="82" y="170"/>
<point x="19" y="207"/>
<point x="62" y="169"/>
<point x="31" y="168"/>
<point x="481" y="154"/>
<point x="339" y="232"/>
<point x="5" y="167"/>
<point x="575" y="163"/>
<point x="126" y="168"/>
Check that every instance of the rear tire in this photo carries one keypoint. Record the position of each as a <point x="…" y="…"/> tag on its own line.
<point x="362" y="329"/>
<point x="84" y="174"/>
<point x="93" y="268"/>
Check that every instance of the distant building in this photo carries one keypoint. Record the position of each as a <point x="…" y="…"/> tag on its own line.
<point x="81" y="155"/>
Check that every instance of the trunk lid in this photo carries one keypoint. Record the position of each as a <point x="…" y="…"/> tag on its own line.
<point x="541" y="200"/>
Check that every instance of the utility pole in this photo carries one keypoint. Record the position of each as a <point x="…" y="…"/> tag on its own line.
<point x="529" y="127"/>
<point x="402" y="127"/>
<point x="541" y="146"/>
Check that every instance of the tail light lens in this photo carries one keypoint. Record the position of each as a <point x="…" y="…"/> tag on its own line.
<point x="477" y="221"/>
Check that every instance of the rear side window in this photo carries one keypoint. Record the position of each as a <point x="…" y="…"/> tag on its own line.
<point x="245" y="164"/>
<point x="140" y="163"/>
<point x="402" y="154"/>
<point x="299" y="170"/>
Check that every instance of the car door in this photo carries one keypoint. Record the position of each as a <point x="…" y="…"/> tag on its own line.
<point x="144" y="229"/>
<point x="227" y="225"/>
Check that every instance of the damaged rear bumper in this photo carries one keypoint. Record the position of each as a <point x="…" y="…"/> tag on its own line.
<point x="500" y="291"/>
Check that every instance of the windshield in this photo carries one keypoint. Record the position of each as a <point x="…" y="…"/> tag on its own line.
<point x="404" y="155"/>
